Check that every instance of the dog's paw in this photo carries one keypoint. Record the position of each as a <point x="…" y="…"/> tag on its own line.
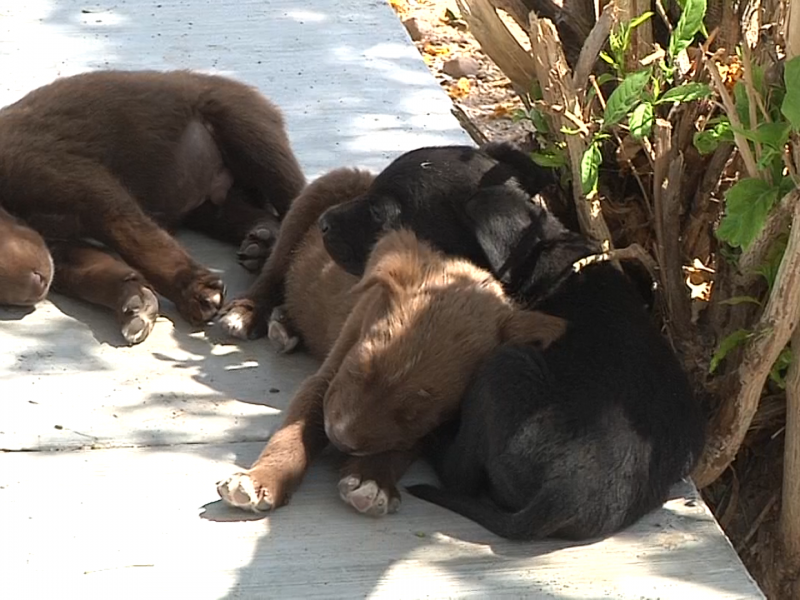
<point x="257" y="246"/>
<point x="241" y="491"/>
<point x="138" y="314"/>
<point x="202" y="298"/>
<point x="242" y="319"/>
<point x="280" y="333"/>
<point x="368" y="497"/>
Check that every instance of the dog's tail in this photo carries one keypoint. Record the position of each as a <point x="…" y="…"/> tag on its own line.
<point x="532" y="177"/>
<point x="541" y="518"/>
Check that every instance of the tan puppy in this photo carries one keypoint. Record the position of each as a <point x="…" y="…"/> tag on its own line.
<point x="400" y="346"/>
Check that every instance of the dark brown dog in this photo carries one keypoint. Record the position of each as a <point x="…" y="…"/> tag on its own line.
<point x="400" y="346"/>
<point x="113" y="156"/>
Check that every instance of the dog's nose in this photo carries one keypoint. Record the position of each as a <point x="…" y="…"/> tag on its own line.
<point x="323" y="223"/>
<point x="38" y="282"/>
<point x="334" y="435"/>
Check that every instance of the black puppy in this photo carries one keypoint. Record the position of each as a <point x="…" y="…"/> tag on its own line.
<point x="575" y="441"/>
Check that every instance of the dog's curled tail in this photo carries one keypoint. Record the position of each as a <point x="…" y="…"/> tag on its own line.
<point x="541" y="518"/>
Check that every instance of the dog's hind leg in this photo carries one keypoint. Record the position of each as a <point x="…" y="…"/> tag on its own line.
<point x="111" y="215"/>
<point x="369" y="483"/>
<point x="89" y="273"/>
<point x="250" y="133"/>
<point x="247" y="316"/>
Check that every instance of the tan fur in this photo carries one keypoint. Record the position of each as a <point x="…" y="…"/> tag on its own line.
<point x="400" y="346"/>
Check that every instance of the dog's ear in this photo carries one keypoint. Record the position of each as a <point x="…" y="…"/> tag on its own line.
<point x="531" y="327"/>
<point x="499" y="216"/>
<point x="397" y="262"/>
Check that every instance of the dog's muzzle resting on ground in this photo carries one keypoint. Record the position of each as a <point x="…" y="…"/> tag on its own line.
<point x="93" y="166"/>
<point x="576" y="440"/>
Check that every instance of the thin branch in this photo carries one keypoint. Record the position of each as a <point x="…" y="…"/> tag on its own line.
<point x="730" y="109"/>
<point x="632" y="252"/>
<point x="469" y="125"/>
<point x="594" y="44"/>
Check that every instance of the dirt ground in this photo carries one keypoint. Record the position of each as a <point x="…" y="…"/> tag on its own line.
<point x="486" y="97"/>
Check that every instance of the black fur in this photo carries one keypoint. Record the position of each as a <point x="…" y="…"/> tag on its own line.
<point x="578" y="440"/>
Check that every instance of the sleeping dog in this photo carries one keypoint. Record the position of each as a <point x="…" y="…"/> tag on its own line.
<point x="92" y="166"/>
<point x="577" y="440"/>
<point x="399" y="347"/>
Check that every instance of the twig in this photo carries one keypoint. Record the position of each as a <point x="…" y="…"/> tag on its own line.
<point x="469" y="125"/>
<point x="594" y="44"/>
<point x="757" y="523"/>
<point x="730" y="109"/>
<point x="631" y="252"/>
<point x="773" y="330"/>
<point x="663" y="14"/>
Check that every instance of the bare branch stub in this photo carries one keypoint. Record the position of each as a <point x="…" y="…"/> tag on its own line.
<point x="557" y="86"/>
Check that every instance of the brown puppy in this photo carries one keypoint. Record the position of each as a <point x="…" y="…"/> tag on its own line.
<point x="111" y="156"/>
<point x="400" y="346"/>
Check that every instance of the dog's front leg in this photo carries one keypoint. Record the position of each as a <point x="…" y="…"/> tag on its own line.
<point x="369" y="483"/>
<point x="284" y="461"/>
<point x="280" y="468"/>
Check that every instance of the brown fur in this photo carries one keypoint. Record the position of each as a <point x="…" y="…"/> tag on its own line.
<point x="400" y="346"/>
<point x="115" y="156"/>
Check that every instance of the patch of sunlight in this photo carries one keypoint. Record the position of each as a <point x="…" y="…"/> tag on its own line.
<point x="50" y="50"/>
<point x="302" y="16"/>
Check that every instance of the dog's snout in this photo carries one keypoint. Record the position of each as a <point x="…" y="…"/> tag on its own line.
<point x="324" y="223"/>
<point x="338" y="436"/>
<point x="39" y="283"/>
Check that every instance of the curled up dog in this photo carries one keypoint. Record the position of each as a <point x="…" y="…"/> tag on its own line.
<point x="93" y="168"/>
<point x="399" y="347"/>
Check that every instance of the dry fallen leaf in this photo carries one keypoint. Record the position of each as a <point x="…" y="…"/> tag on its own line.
<point x="435" y="50"/>
<point x="399" y="6"/>
<point x="460" y="88"/>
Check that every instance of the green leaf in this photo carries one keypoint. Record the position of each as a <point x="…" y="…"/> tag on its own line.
<point x="791" y="101"/>
<point x="590" y="167"/>
<point x="604" y="55"/>
<point x="774" y="135"/>
<point x="729" y="343"/>
<point x="736" y="300"/>
<point x="685" y="93"/>
<point x="781" y="367"/>
<point x="625" y="97"/>
<point x="549" y="158"/>
<point x="747" y="205"/>
<point x="641" y="121"/>
<point x="707" y="141"/>
<point x="689" y="24"/>
<point x="640" y="19"/>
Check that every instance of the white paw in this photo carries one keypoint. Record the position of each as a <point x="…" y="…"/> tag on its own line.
<point x="238" y="490"/>
<point x="367" y="497"/>
<point x="234" y="323"/>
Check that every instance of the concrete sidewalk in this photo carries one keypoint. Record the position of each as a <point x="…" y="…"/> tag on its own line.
<point x="110" y="453"/>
